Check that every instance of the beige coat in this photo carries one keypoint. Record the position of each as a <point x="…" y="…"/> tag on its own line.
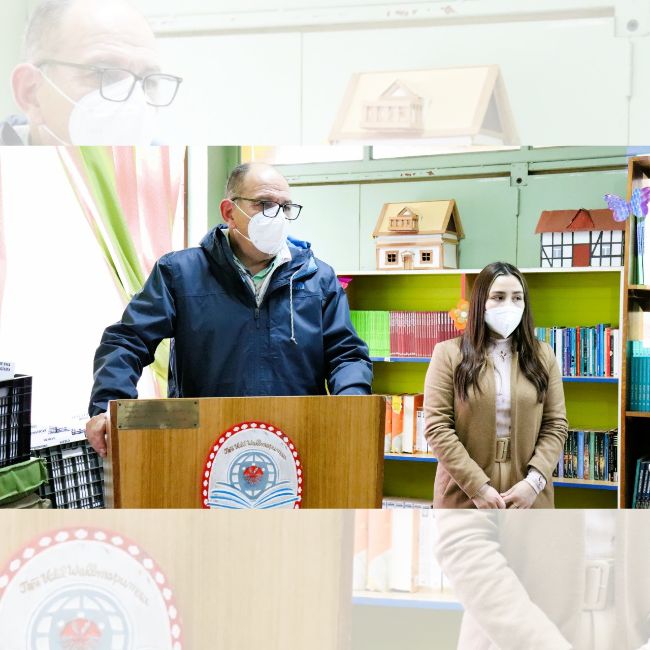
<point x="462" y="434"/>
<point x="520" y="576"/>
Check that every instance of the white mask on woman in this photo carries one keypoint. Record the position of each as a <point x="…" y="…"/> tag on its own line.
<point x="504" y="320"/>
<point x="267" y="234"/>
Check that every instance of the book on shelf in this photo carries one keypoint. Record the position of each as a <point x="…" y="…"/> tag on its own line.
<point x="589" y="455"/>
<point x="360" y="555"/>
<point x="379" y="550"/>
<point x="388" y="422"/>
<point x="374" y="328"/>
<point x="641" y="492"/>
<point x="404" y="425"/>
<point x="403" y="334"/>
<point x="397" y="424"/>
<point x="638" y="384"/>
<point x="591" y="351"/>
<point x="406" y="502"/>
<point x="399" y="547"/>
<point x="411" y="405"/>
<point x="404" y="551"/>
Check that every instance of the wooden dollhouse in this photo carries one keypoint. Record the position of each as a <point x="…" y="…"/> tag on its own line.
<point x="580" y="238"/>
<point x="456" y="107"/>
<point x="397" y="108"/>
<point x="420" y="235"/>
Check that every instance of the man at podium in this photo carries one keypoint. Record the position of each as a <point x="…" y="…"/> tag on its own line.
<point x="250" y="311"/>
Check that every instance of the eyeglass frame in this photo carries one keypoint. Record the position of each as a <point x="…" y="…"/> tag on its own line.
<point x="103" y="69"/>
<point x="280" y="205"/>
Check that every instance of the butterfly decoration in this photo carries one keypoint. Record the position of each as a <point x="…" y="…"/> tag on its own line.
<point x="459" y="314"/>
<point x="622" y="209"/>
<point x="344" y="280"/>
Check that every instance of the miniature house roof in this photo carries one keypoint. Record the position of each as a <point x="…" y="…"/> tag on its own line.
<point x="576" y="220"/>
<point x="398" y="89"/>
<point x="435" y="217"/>
<point x="464" y="105"/>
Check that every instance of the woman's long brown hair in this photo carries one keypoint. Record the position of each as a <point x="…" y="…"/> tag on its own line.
<point x="475" y="338"/>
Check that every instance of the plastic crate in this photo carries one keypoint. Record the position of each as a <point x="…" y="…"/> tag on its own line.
<point x="15" y="419"/>
<point x="76" y="476"/>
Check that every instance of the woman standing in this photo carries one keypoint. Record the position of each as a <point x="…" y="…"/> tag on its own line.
<point x="494" y="403"/>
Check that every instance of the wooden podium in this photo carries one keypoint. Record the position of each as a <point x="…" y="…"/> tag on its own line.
<point x="157" y="449"/>
<point x="276" y="579"/>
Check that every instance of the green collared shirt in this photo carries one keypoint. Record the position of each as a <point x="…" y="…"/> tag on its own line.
<point x="260" y="281"/>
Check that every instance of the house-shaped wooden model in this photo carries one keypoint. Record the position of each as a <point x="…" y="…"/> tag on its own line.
<point x="398" y="108"/>
<point x="450" y="107"/>
<point x="419" y="235"/>
<point x="580" y="238"/>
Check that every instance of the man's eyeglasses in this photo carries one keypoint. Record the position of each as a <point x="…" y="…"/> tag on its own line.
<point x="271" y="208"/>
<point x="117" y="84"/>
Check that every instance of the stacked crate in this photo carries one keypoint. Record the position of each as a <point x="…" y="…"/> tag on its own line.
<point x="75" y="469"/>
<point x="20" y="475"/>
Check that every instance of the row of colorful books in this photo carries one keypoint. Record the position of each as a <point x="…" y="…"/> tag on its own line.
<point x="394" y="550"/>
<point x="584" y="351"/>
<point x="641" y="493"/>
<point x="638" y="376"/>
<point x="404" y="426"/>
<point x="589" y="455"/>
<point x="403" y="334"/>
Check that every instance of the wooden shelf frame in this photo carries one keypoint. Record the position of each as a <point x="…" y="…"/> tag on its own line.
<point x="638" y="174"/>
<point x="451" y="282"/>
<point x="417" y="600"/>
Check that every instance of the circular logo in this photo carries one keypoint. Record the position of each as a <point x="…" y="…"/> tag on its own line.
<point x="86" y="589"/>
<point x="252" y="465"/>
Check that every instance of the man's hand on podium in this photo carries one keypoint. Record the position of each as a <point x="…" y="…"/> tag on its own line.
<point x="96" y="433"/>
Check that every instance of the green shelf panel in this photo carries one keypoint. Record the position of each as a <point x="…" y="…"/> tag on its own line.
<point x="383" y="628"/>
<point x="591" y="406"/>
<point x="412" y="292"/>
<point x="568" y="497"/>
<point x="394" y="378"/>
<point x="414" y="480"/>
<point x="574" y="299"/>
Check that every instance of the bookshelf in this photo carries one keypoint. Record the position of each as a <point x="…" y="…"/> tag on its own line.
<point x="633" y="439"/>
<point x="568" y="297"/>
<point x="407" y="600"/>
<point x="399" y="590"/>
<point x="398" y="622"/>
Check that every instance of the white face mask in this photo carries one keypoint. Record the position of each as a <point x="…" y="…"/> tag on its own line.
<point x="95" y="120"/>
<point x="504" y="320"/>
<point x="267" y="234"/>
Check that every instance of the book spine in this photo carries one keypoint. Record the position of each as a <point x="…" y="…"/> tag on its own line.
<point x="397" y="424"/>
<point x="581" y="455"/>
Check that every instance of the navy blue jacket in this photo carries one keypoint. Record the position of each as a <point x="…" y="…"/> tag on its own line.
<point x="224" y="345"/>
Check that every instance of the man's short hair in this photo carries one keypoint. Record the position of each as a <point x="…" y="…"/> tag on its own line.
<point x="43" y="27"/>
<point x="236" y="179"/>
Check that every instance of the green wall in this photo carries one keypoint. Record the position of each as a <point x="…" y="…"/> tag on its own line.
<point x="221" y="161"/>
<point x="13" y="18"/>
<point x="500" y="196"/>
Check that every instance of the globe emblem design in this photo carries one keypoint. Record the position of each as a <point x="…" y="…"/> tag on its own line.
<point x="80" y="619"/>
<point x="253" y="472"/>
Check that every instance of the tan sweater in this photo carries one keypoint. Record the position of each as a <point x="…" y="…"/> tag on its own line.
<point x="462" y="434"/>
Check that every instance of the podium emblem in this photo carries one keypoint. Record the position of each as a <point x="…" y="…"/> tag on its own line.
<point x="252" y="465"/>
<point x="86" y="589"/>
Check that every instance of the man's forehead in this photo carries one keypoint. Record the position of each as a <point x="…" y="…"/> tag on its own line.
<point x="111" y="33"/>
<point x="265" y="182"/>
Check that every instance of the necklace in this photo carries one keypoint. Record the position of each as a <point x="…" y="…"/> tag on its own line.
<point x="504" y="354"/>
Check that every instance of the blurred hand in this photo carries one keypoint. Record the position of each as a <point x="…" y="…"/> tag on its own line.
<point x="488" y="497"/>
<point x="521" y="495"/>
<point x="96" y="433"/>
